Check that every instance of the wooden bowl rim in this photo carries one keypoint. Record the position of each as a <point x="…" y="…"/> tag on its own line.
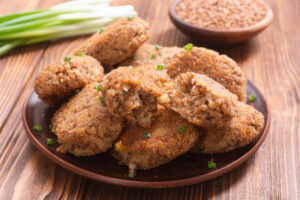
<point x="144" y="184"/>
<point x="267" y="20"/>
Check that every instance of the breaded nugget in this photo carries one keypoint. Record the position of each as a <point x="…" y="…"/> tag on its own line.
<point x="218" y="67"/>
<point x="201" y="100"/>
<point x="132" y="93"/>
<point x="84" y="126"/>
<point x="240" y="131"/>
<point x="142" y="148"/>
<point x="148" y="54"/>
<point x="58" y="81"/>
<point x="117" y="42"/>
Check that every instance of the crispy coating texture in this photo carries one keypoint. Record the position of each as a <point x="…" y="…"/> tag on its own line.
<point x="164" y="144"/>
<point x="201" y="100"/>
<point x="84" y="126"/>
<point x="118" y="41"/>
<point x="240" y="131"/>
<point x="143" y="56"/>
<point x="57" y="82"/>
<point x="218" y="67"/>
<point x="132" y="93"/>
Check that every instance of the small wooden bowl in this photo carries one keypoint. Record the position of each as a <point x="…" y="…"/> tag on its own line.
<point x="219" y="37"/>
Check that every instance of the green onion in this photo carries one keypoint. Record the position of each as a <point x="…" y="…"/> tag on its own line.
<point x="160" y="67"/>
<point x="252" y="97"/>
<point x="132" y="57"/>
<point x="181" y="129"/>
<point x="37" y="128"/>
<point x="102" y="99"/>
<point x="147" y="135"/>
<point x="99" y="87"/>
<point x="67" y="58"/>
<point x="157" y="47"/>
<point x="211" y="164"/>
<point x="101" y="30"/>
<point x="130" y="175"/>
<point x="188" y="47"/>
<point x="130" y="18"/>
<point x="50" y="141"/>
<point x="77" y="91"/>
<point x="80" y="54"/>
<point x="50" y="126"/>
<point x="67" y="19"/>
<point x="154" y="55"/>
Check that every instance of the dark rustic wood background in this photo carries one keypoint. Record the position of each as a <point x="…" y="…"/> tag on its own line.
<point x="271" y="61"/>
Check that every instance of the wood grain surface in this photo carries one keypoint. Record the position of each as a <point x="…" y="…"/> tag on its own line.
<point x="271" y="61"/>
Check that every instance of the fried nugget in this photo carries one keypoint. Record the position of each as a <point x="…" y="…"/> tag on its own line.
<point x="132" y="93"/>
<point x="218" y="67"/>
<point x="118" y="41"/>
<point x="148" y="54"/>
<point x="84" y="126"/>
<point x="201" y="100"/>
<point x="146" y="148"/>
<point x="240" y="131"/>
<point x="57" y="82"/>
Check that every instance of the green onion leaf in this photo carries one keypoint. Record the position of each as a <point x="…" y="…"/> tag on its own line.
<point x="37" y="128"/>
<point x="157" y="47"/>
<point x="160" y="67"/>
<point x="130" y="18"/>
<point x="67" y="58"/>
<point x="211" y="164"/>
<point x="188" y="47"/>
<point x="50" y="126"/>
<point x="77" y="91"/>
<point x="99" y="87"/>
<point x="154" y="55"/>
<point x="130" y="175"/>
<point x="80" y="54"/>
<point x="147" y="135"/>
<point x="181" y="129"/>
<point x="132" y="57"/>
<point x="252" y="97"/>
<point x="102" y="99"/>
<point x="100" y="30"/>
<point x="50" y="141"/>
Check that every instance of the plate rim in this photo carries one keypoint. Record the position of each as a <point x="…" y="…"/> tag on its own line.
<point x="144" y="184"/>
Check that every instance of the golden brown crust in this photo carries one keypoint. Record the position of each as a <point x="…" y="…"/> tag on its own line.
<point x="218" y="67"/>
<point x="84" y="126"/>
<point x="58" y="81"/>
<point x="240" y="131"/>
<point x="164" y="144"/>
<point x="118" y="41"/>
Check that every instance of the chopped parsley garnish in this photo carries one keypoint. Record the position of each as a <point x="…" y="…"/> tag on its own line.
<point x="37" y="128"/>
<point x="102" y="99"/>
<point x="157" y="47"/>
<point x="50" y="126"/>
<point x="154" y="55"/>
<point x="80" y="54"/>
<point x="181" y="129"/>
<point x="99" y="87"/>
<point x="130" y="18"/>
<point x="101" y="30"/>
<point x="67" y="58"/>
<point x="147" y="135"/>
<point x="160" y="67"/>
<point x="188" y="47"/>
<point x="211" y="164"/>
<point x="50" y="141"/>
<point x="130" y="175"/>
<point x="252" y="97"/>
<point x="77" y="91"/>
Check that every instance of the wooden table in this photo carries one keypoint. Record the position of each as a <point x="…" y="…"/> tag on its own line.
<point x="271" y="61"/>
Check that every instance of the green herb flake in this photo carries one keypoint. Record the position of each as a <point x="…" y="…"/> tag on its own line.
<point x="102" y="99"/>
<point x="154" y="55"/>
<point x="77" y="91"/>
<point x="147" y="135"/>
<point x="211" y="164"/>
<point x="67" y="58"/>
<point x="130" y="18"/>
<point x="132" y="57"/>
<point x="252" y="97"/>
<point x="157" y="47"/>
<point x="37" y="128"/>
<point x="181" y="129"/>
<point x="50" y="126"/>
<point x="130" y="175"/>
<point x="99" y="87"/>
<point x="160" y="67"/>
<point x="188" y="47"/>
<point x="50" y="141"/>
<point x="80" y="54"/>
<point x="100" y="30"/>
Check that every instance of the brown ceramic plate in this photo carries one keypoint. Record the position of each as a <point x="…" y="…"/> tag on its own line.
<point x="185" y="170"/>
